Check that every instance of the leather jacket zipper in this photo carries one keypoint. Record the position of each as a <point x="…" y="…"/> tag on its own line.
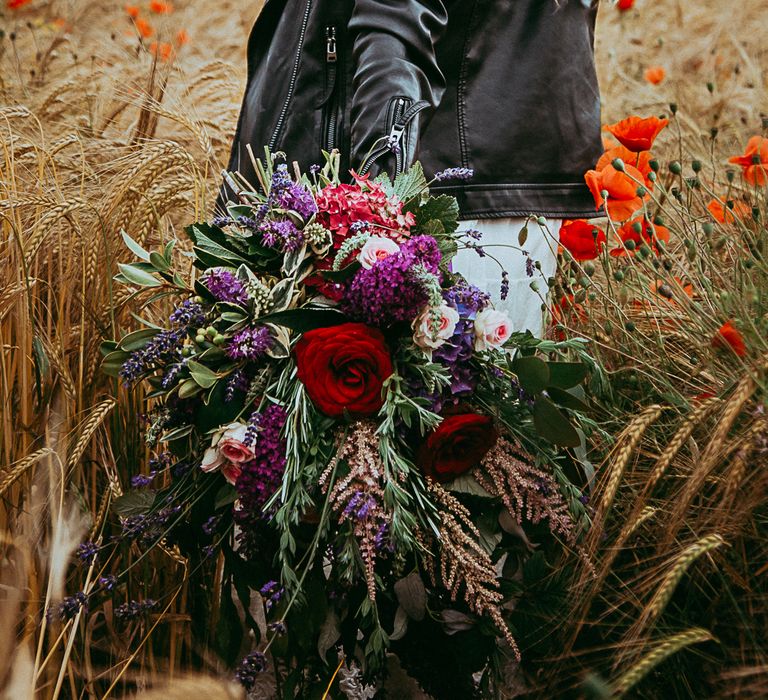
<point x="331" y="120"/>
<point x="294" y="75"/>
<point x="402" y="114"/>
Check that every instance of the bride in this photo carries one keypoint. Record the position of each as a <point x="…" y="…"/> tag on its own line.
<point x="497" y="99"/>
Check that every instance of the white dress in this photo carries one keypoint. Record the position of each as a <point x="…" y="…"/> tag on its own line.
<point x="499" y="240"/>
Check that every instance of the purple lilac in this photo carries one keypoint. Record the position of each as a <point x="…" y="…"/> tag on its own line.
<point x="261" y="476"/>
<point x="225" y="286"/>
<point x="389" y="292"/>
<point x="250" y="344"/>
<point x="454" y="174"/>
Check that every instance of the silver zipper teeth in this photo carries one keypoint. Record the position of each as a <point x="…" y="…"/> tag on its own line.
<point x="330" y="59"/>
<point x="294" y="75"/>
<point x="396" y="115"/>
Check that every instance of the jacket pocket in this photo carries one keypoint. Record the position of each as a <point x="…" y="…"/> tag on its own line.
<point x="400" y="113"/>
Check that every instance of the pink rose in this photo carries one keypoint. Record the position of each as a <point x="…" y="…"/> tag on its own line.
<point x="424" y="334"/>
<point x="492" y="329"/>
<point x="376" y="249"/>
<point x="228" y="451"/>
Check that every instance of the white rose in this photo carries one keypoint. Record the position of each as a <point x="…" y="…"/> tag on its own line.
<point x="492" y="329"/>
<point x="376" y="249"/>
<point x="423" y="334"/>
<point x="227" y="451"/>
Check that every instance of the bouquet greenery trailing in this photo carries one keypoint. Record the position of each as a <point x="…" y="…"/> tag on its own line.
<point x="349" y="437"/>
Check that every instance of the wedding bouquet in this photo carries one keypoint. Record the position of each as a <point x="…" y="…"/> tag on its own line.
<point x="348" y="435"/>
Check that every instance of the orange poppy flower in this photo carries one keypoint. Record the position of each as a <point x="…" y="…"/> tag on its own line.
<point x="654" y="74"/>
<point x="623" y="200"/>
<point x="16" y="4"/>
<point x="649" y="233"/>
<point x="182" y="37"/>
<point x="143" y="27"/>
<point x="581" y="239"/>
<point x="754" y="161"/>
<point x="640" y="160"/>
<point x="163" y="50"/>
<point x="161" y="8"/>
<point x="728" y="215"/>
<point x="625" y="5"/>
<point x="636" y="133"/>
<point x="727" y="337"/>
<point x="132" y="11"/>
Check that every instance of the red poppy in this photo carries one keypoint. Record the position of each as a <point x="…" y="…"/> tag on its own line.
<point x="581" y="239"/>
<point x="132" y="11"/>
<point x="143" y="27"/>
<point x="163" y="50"/>
<point x="625" y="5"/>
<point x="647" y="233"/>
<point x="641" y="160"/>
<point x="182" y="37"/>
<point x="727" y="337"/>
<point x="16" y="4"/>
<point x="728" y="215"/>
<point x="636" y="133"/>
<point x="161" y="8"/>
<point x="754" y="161"/>
<point x="623" y="200"/>
<point x="654" y="74"/>
<point x="566" y="312"/>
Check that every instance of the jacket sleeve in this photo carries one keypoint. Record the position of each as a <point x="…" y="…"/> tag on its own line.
<point x="397" y="83"/>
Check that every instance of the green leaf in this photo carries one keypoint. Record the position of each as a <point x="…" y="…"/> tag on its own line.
<point x="134" y="247"/>
<point x="412" y="596"/>
<point x="410" y="183"/>
<point x="281" y="295"/>
<point x="466" y="483"/>
<point x="306" y="318"/>
<point x="137" y="339"/>
<point x="565" y="375"/>
<point x="177" y="433"/>
<point x="532" y="373"/>
<point x="330" y="632"/>
<point x="137" y="276"/>
<point x="158" y="262"/>
<point x="107" y="347"/>
<point x="137" y="502"/>
<point x="224" y="496"/>
<point x="293" y="259"/>
<point x="188" y="388"/>
<point x="566" y="399"/>
<point x="443" y="208"/>
<point x="553" y="425"/>
<point x="342" y="275"/>
<point x="203" y="376"/>
<point x="113" y="362"/>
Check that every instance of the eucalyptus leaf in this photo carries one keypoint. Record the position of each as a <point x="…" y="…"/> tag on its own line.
<point x="532" y="373"/>
<point x="137" y="339"/>
<point x="566" y="375"/>
<point x="400" y="625"/>
<point x="553" y="425"/>
<point x="134" y="247"/>
<point x="136" y="502"/>
<point x="330" y="632"/>
<point x="159" y="262"/>
<point x="202" y="375"/>
<point x="137" y="276"/>
<point x="188" y="388"/>
<point x="566" y="399"/>
<point x="412" y="596"/>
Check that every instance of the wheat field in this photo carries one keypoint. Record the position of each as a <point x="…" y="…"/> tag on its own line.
<point x="104" y="130"/>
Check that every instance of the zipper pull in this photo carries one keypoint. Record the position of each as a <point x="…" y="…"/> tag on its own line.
<point x="330" y="44"/>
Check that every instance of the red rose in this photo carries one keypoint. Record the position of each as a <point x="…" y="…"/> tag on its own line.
<point x="457" y="445"/>
<point x="343" y="368"/>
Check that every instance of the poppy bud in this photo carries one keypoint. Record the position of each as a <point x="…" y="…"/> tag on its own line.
<point x="592" y="296"/>
<point x="756" y="213"/>
<point x="618" y="163"/>
<point x="675" y="167"/>
<point x="630" y="326"/>
<point x="551" y="282"/>
<point x="534" y="287"/>
<point x="630" y="244"/>
<point x="542" y="221"/>
<point x="537" y="265"/>
<point x="618" y="275"/>
<point x="729" y="175"/>
<point x="608" y="327"/>
<point x="654" y="165"/>
<point x="667" y="265"/>
<point x="708" y="228"/>
<point x="673" y="107"/>
<point x="641" y="191"/>
<point x="589" y="268"/>
<point x="713" y="132"/>
<point x="584" y="281"/>
<point x="637" y="227"/>
<point x="643" y="251"/>
<point x="711" y="87"/>
<point x="764" y="121"/>
<point x="651" y="177"/>
<point x="580" y="296"/>
<point x="696" y="166"/>
<point x="604" y="194"/>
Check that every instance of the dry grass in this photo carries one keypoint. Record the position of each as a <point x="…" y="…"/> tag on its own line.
<point x="97" y="137"/>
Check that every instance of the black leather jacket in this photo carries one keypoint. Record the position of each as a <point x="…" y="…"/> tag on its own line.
<point x="505" y="87"/>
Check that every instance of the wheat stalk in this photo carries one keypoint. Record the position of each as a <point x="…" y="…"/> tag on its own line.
<point x="96" y="418"/>
<point x="19" y="468"/>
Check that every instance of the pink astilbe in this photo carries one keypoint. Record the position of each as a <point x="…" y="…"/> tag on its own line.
<point x="527" y="491"/>
<point x="464" y="564"/>
<point x="359" y="496"/>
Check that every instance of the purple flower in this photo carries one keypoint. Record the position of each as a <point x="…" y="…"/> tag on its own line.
<point x="134" y="609"/>
<point x="210" y="525"/>
<point x="224" y="285"/>
<point x="141" y="480"/>
<point x="163" y="348"/>
<point x="504" y="292"/>
<point x="188" y="314"/>
<point x="249" y="668"/>
<point x="71" y="606"/>
<point x="530" y="266"/>
<point x="108" y="582"/>
<point x="86" y="552"/>
<point x="221" y="221"/>
<point x="391" y="291"/>
<point x="281" y="234"/>
<point x="454" y="174"/>
<point x="250" y="344"/>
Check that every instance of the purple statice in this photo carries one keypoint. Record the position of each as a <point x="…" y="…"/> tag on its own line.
<point x="392" y="290"/>
<point x="249" y="668"/>
<point x="238" y="381"/>
<point x="250" y="344"/>
<point x="86" y="552"/>
<point x="70" y="607"/>
<point x="224" y="285"/>
<point x="108" y="582"/>
<point x="134" y="609"/>
<point x="281" y="234"/>
<point x="139" y="481"/>
<point x="468" y="300"/>
<point x="454" y="174"/>
<point x="473" y="233"/>
<point x="261" y="476"/>
<point x="188" y="314"/>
